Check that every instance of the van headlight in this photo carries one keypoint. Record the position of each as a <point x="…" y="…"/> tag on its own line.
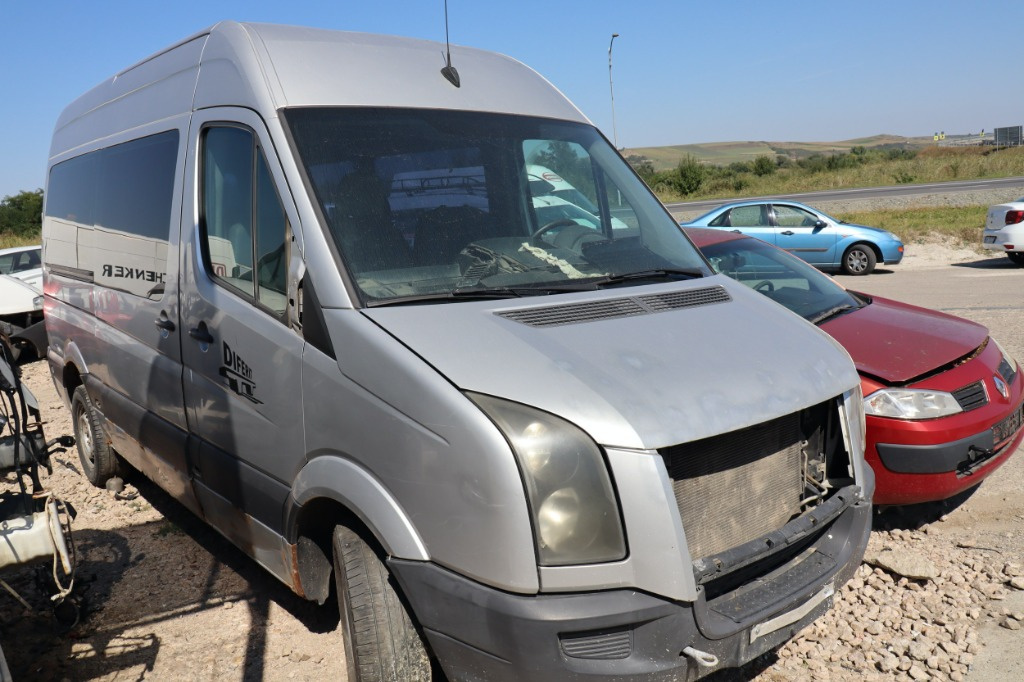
<point x="569" y="491"/>
<point x="910" y="403"/>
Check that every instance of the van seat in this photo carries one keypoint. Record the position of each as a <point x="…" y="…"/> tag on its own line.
<point x="443" y="232"/>
<point x="364" y="227"/>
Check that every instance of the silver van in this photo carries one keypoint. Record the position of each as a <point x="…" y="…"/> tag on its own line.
<point x="296" y="277"/>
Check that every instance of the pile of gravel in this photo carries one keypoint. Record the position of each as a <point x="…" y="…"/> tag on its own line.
<point x="911" y="612"/>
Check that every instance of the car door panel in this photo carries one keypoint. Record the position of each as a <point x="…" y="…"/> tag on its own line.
<point x="243" y="362"/>
<point x="753" y="220"/>
<point x="804" y="234"/>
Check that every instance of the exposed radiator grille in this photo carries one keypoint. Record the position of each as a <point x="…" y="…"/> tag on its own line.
<point x="738" y="486"/>
<point x="971" y="397"/>
<point x="575" y="313"/>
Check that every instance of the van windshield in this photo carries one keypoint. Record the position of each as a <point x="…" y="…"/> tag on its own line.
<point x="434" y="204"/>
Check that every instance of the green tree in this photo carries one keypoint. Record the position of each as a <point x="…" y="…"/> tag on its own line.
<point x="690" y="174"/>
<point x="643" y="166"/>
<point x="22" y="214"/>
<point x="764" y="165"/>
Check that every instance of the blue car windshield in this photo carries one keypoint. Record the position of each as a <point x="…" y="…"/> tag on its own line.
<point x="437" y="205"/>
<point x="781" y="277"/>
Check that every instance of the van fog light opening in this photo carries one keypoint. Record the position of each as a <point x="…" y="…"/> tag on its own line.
<point x="576" y="518"/>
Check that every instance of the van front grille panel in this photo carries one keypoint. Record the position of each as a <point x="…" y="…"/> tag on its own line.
<point x="575" y="313"/>
<point x="738" y="486"/>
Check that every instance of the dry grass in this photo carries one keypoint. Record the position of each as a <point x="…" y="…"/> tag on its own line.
<point x="934" y="164"/>
<point x="962" y="224"/>
<point x="7" y="240"/>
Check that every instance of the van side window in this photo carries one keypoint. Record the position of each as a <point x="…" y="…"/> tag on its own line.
<point x="123" y="195"/>
<point x="243" y="222"/>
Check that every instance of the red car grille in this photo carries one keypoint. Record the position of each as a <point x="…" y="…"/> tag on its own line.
<point x="971" y="397"/>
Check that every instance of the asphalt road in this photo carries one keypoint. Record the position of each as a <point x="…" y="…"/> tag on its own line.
<point x="865" y="193"/>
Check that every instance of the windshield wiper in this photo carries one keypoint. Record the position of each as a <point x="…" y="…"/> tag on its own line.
<point x="832" y="312"/>
<point x="667" y="274"/>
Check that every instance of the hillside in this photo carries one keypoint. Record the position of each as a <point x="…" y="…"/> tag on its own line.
<point x="724" y="153"/>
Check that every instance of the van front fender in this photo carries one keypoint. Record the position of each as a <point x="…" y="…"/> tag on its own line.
<point x="355" y="488"/>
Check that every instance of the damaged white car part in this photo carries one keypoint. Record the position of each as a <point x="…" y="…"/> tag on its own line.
<point x="35" y="526"/>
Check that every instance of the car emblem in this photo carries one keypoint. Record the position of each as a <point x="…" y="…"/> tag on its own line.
<point x="1001" y="385"/>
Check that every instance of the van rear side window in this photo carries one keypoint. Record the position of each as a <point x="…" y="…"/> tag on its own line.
<point x="124" y="195"/>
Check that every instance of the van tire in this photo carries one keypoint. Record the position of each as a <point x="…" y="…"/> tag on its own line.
<point x="381" y="642"/>
<point x="99" y="463"/>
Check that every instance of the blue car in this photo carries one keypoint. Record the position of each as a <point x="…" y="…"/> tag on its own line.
<point x="819" y="239"/>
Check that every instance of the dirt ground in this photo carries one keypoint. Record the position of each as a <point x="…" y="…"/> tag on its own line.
<point x="163" y="597"/>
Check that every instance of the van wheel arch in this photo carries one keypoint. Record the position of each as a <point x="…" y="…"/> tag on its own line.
<point x="99" y="462"/>
<point x="382" y="640"/>
<point x="335" y="549"/>
<point x="71" y="379"/>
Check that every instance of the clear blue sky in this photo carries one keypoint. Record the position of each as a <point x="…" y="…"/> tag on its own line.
<point x="683" y="72"/>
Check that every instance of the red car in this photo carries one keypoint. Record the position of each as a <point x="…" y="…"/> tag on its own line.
<point x="943" y="400"/>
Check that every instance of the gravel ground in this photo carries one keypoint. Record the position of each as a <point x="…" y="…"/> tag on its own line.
<point x="163" y="597"/>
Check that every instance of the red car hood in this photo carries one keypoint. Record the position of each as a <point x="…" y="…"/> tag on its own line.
<point x="897" y="342"/>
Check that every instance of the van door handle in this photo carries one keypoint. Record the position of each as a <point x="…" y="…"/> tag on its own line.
<point x="201" y="334"/>
<point x="164" y="324"/>
<point x="788" y="233"/>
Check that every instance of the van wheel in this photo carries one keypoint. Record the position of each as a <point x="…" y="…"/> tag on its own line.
<point x="859" y="259"/>
<point x="381" y="642"/>
<point x="99" y="462"/>
<point x="1016" y="257"/>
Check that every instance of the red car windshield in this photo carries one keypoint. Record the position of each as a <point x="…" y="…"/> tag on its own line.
<point x="781" y="277"/>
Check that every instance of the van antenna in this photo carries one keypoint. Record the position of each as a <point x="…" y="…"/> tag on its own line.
<point x="449" y="71"/>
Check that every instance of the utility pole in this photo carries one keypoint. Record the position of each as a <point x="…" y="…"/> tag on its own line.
<point x="611" y="89"/>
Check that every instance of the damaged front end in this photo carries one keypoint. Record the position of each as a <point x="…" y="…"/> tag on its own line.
<point x="766" y="559"/>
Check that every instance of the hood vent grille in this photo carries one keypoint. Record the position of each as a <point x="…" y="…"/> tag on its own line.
<point x="576" y="313"/>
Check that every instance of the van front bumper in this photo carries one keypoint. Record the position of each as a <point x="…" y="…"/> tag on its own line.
<point x="480" y="633"/>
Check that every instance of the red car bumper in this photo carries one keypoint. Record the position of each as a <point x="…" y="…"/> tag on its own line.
<point x="929" y="460"/>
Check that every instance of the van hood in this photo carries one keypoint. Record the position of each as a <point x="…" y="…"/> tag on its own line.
<point x="633" y="380"/>
<point x="897" y="342"/>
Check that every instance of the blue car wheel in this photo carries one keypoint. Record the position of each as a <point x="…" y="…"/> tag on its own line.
<point x="859" y="259"/>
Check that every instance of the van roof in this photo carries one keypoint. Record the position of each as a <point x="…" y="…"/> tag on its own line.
<point x="267" y="67"/>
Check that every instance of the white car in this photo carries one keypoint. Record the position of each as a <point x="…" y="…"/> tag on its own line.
<point x="23" y="262"/>
<point x="1004" y="230"/>
<point x="21" y="298"/>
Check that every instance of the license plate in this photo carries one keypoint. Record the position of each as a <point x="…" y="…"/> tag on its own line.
<point x="1008" y="426"/>
<point x="990" y="240"/>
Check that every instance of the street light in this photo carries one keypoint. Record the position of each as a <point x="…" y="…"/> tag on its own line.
<point x="615" y="134"/>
